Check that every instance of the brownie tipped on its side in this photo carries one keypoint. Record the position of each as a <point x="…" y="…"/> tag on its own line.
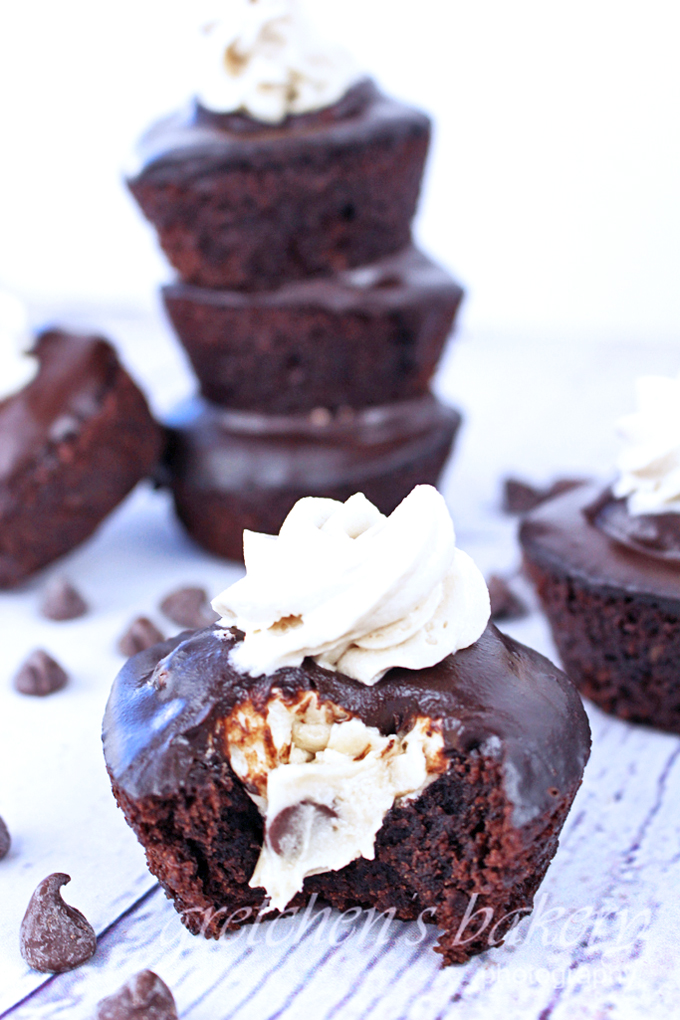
<point x="481" y="834"/>
<point x="243" y="205"/>
<point x="74" y="442"/>
<point x="230" y="471"/>
<point x="614" y="612"/>
<point x="363" y="337"/>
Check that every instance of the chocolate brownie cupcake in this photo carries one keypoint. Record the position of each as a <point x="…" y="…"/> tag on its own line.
<point x="355" y="656"/>
<point x="73" y="442"/>
<point x="606" y="563"/>
<point x="241" y="204"/>
<point x="360" y="337"/>
<point x="230" y="471"/>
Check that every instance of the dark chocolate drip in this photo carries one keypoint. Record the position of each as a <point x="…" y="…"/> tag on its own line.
<point x="228" y="450"/>
<point x="496" y="697"/>
<point x="75" y="373"/>
<point x="354" y="102"/>
<point x="561" y="535"/>
<point x="656" y="535"/>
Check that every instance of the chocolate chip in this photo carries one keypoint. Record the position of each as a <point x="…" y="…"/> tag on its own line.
<point x="40" y="675"/>
<point x="140" y="635"/>
<point x="143" y="997"/>
<point x="505" y="605"/>
<point x="61" y="601"/>
<point x="55" y="937"/>
<point x="519" y="497"/>
<point x="5" y="840"/>
<point x="189" y="607"/>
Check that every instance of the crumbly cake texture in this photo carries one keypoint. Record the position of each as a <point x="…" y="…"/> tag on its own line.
<point x="483" y="833"/>
<point x="77" y="440"/>
<point x="355" y="339"/>
<point x="614" y="613"/>
<point x="225" y="479"/>
<point x="239" y="204"/>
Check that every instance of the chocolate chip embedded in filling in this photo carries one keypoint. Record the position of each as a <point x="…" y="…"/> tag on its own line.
<point x="656" y="535"/>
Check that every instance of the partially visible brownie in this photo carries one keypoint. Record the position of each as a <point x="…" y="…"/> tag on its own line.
<point x="364" y="336"/>
<point x="230" y="471"/>
<point x="73" y="443"/>
<point x="245" y="205"/>
<point x="614" y="610"/>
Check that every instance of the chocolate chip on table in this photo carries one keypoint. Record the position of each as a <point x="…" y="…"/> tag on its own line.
<point x="5" y="840"/>
<point x="40" y="675"/>
<point x="189" y="607"/>
<point x="55" y="937"/>
<point x="505" y="604"/>
<point x="143" y="997"/>
<point x="519" y="497"/>
<point x="61" y="601"/>
<point x="140" y="635"/>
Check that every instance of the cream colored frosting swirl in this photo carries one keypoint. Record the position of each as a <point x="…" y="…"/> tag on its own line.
<point x="649" y="464"/>
<point x="266" y="61"/>
<point x="355" y="590"/>
<point x="16" y="369"/>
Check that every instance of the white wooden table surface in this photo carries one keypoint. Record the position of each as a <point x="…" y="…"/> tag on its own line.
<point x="603" y="940"/>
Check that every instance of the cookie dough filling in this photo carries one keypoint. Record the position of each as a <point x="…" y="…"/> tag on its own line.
<point x="323" y="781"/>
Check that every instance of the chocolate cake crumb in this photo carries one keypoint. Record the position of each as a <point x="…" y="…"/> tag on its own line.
<point x="520" y="497"/>
<point x="143" y="997"/>
<point x="141" y="634"/>
<point x="40" y="675"/>
<point x="189" y="607"/>
<point x="62" y="601"/>
<point x="5" y="839"/>
<point x="55" y="937"/>
<point x="505" y="604"/>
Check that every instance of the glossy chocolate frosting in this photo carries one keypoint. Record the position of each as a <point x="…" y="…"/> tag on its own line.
<point x="201" y="134"/>
<point x="75" y="372"/>
<point x="214" y="448"/>
<point x="656" y="535"/>
<point x="496" y="696"/>
<point x="392" y="282"/>
<point x="581" y="534"/>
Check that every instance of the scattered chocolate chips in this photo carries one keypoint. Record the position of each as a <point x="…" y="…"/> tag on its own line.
<point x="141" y="634"/>
<point x="505" y="604"/>
<point x="40" y="675"/>
<point x="5" y="840"/>
<point x="189" y="607"/>
<point x="55" y="937"/>
<point x="519" y="497"/>
<point x="143" y="997"/>
<point x="61" y="601"/>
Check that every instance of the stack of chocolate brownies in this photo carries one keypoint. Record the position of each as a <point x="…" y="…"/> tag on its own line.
<point x="312" y="323"/>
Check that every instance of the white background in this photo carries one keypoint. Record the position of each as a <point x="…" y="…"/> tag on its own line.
<point x="553" y="189"/>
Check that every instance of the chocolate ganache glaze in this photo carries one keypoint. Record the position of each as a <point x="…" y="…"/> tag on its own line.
<point x="239" y="137"/>
<point x="217" y="448"/>
<point x="496" y="697"/>
<point x="74" y="374"/>
<point x="73" y="442"/>
<point x="656" y="535"/>
<point x="588" y="534"/>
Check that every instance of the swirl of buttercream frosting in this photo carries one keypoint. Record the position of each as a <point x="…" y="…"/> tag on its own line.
<point x="355" y="590"/>
<point x="649" y="464"/>
<point x="266" y="60"/>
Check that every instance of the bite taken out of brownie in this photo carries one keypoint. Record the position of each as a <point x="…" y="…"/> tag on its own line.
<point x="73" y="443"/>
<point x="243" y="204"/>
<point x="431" y="791"/>
<point x="360" y="337"/>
